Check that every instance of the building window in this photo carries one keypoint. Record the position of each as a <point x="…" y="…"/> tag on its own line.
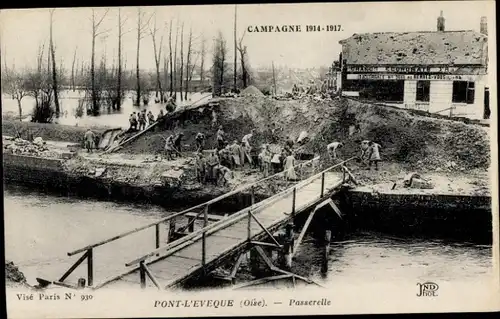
<point x="390" y="91"/>
<point x="463" y="92"/>
<point x="423" y="89"/>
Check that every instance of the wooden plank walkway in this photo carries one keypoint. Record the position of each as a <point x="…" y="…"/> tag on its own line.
<point x="186" y="261"/>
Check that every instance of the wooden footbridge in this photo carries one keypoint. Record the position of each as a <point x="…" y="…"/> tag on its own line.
<point x="181" y="253"/>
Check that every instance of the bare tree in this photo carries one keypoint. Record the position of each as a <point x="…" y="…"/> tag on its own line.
<point x="235" y="58"/>
<point x="189" y="68"/>
<point x="141" y="28"/>
<point x="175" y="60"/>
<point x="202" y="63"/>
<point x="182" y="60"/>
<point x="157" y="51"/>
<point x="54" y="69"/>
<point x="16" y="87"/>
<point x="73" y="70"/>
<point x="170" y="59"/>
<point x="219" y="64"/>
<point x="243" y="61"/>
<point x="119" y="76"/>
<point x="38" y="84"/>
<point x="95" y="33"/>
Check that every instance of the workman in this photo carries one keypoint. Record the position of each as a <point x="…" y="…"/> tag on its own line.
<point x="220" y="138"/>
<point x="200" y="141"/>
<point x="224" y="174"/>
<point x="177" y="142"/>
<point x="212" y="162"/>
<point x="303" y="138"/>
<point x="373" y="154"/>
<point x="246" y="145"/>
<point x="89" y="139"/>
<point x="151" y="117"/>
<point x="160" y="115"/>
<point x="235" y="154"/>
<point x="141" y="117"/>
<point x="289" y="145"/>
<point x="133" y="122"/>
<point x="364" y="148"/>
<point x="332" y="149"/>
<point x="169" y="147"/>
<point x="200" y="168"/>
<point x="170" y="104"/>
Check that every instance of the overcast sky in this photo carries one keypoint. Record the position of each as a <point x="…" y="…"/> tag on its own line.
<point x="22" y="31"/>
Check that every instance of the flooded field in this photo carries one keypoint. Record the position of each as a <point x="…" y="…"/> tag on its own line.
<point x="41" y="229"/>
<point x="69" y="103"/>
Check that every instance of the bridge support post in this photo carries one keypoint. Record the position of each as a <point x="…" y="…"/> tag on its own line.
<point x="326" y="251"/>
<point x="191" y="220"/>
<point x="288" y="246"/>
<point x="142" y="274"/>
<point x="157" y="237"/>
<point x="171" y="229"/>
<point x="90" y="267"/>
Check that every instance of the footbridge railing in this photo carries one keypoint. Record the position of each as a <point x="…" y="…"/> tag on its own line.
<point x="274" y="183"/>
<point x="251" y="214"/>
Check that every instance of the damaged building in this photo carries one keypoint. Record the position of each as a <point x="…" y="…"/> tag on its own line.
<point x="439" y="71"/>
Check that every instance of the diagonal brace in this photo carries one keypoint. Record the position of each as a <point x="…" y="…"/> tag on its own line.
<point x="264" y="228"/>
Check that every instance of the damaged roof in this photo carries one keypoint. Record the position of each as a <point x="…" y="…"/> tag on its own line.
<point x="429" y="48"/>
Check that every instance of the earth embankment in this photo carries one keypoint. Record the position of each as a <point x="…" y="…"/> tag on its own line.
<point x="47" y="131"/>
<point x="415" y="141"/>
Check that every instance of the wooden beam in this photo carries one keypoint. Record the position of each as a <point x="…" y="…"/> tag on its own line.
<point x="76" y="264"/>
<point x="90" y="267"/>
<point x="142" y="274"/>
<point x="303" y="232"/>
<point x="261" y="243"/>
<point x="266" y="259"/>
<point x="150" y="275"/>
<point x="261" y="281"/>
<point x="351" y="176"/>
<point x="335" y="208"/>
<point x="265" y="229"/>
<point x="236" y="266"/>
<point x="309" y="281"/>
<point x="63" y="284"/>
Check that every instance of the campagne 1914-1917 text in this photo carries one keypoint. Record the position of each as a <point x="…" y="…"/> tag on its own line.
<point x="250" y="159"/>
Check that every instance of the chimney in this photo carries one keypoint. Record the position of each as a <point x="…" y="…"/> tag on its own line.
<point x="440" y="22"/>
<point x="483" y="26"/>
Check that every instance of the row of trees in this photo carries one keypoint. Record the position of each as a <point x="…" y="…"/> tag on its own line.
<point x="104" y="83"/>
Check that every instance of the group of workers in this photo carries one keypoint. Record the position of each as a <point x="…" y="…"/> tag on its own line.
<point x="218" y="165"/>
<point x="370" y="152"/>
<point x="140" y="120"/>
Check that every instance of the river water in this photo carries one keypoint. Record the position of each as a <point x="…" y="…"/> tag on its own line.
<point x="40" y="229"/>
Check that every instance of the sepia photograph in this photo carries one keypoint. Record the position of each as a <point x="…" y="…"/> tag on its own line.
<point x="250" y="159"/>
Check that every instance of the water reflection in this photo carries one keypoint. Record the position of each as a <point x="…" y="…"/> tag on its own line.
<point x="40" y="229"/>
<point x="112" y="118"/>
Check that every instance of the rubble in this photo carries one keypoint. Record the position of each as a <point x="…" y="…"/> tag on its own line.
<point x="38" y="148"/>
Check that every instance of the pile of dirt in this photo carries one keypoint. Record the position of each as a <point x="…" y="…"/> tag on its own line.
<point x="13" y="277"/>
<point x="419" y="142"/>
<point x="47" y="131"/>
<point x="251" y="91"/>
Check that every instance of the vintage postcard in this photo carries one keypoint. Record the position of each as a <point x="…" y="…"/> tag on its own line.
<point x="258" y="159"/>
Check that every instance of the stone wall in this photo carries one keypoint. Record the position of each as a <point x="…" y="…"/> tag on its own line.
<point x="466" y="218"/>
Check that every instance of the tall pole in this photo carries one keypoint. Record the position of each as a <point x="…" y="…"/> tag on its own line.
<point x="234" y="78"/>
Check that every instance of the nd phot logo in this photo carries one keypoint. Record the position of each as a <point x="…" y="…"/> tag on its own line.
<point x="427" y="289"/>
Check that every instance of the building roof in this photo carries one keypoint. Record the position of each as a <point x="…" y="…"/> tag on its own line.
<point x="428" y="48"/>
